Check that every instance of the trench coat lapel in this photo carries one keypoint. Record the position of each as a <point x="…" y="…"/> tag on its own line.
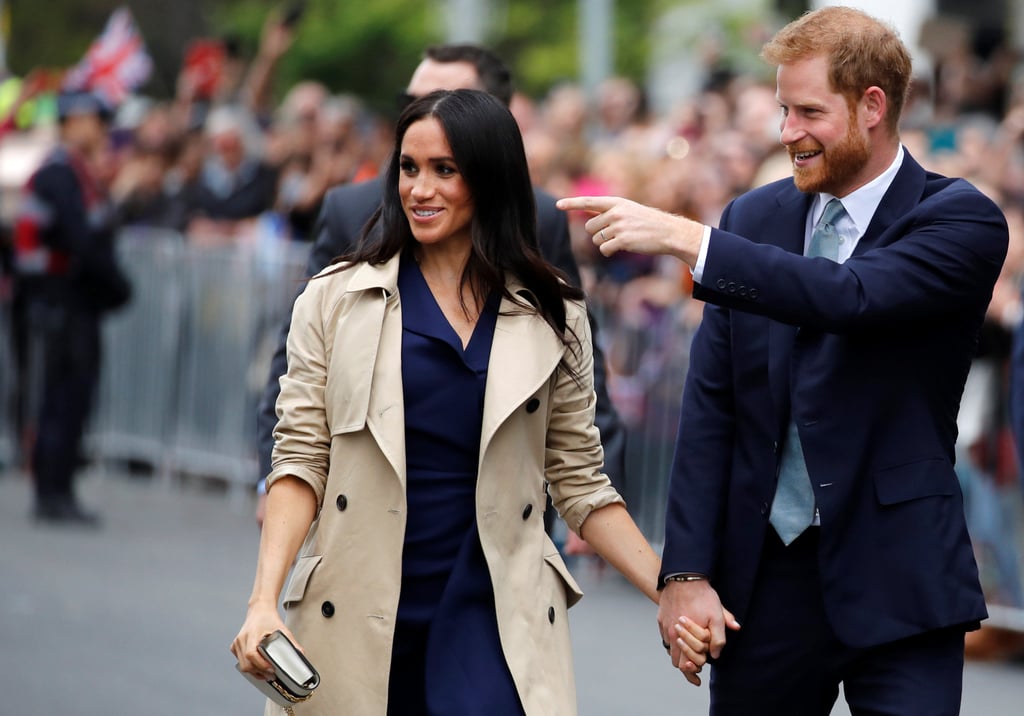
<point x="524" y="354"/>
<point x="373" y="361"/>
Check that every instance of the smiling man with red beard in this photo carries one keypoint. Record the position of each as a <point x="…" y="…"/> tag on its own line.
<point x="813" y="490"/>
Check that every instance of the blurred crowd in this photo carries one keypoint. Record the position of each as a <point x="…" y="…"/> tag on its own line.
<point x="221" y="163"/>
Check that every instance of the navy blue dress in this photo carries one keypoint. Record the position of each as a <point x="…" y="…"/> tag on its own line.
<point x="447" y="658"/>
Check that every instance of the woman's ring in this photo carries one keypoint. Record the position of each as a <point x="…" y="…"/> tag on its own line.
<point x="601" y="234"/>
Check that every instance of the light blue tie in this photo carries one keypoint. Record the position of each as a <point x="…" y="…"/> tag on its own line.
<point x="825" y="238"/>
<point x="793" y="506"/>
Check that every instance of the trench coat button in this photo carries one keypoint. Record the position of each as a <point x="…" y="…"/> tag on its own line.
<point x="527" y="511"/>
<point x="327" y="609"/>
<point x="551" y="614"/>
<point x="532" y="404"/>
<point x="341" y="502"/>
<point x="764" y="508"/>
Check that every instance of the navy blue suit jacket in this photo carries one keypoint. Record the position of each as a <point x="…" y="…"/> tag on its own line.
<point x="870" y="358"/>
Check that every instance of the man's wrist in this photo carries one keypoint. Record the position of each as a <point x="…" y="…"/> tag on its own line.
<point x="686" y="577"/>
<point x="682" y="577"/>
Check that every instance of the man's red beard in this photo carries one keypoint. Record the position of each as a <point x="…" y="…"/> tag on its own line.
<point x="837" y="166"/>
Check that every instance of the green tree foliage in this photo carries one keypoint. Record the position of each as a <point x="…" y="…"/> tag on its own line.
<point x="365" y="47"/>
<point x="57" y="33"/>
<point x="541" y="40"/>
<point x="369" y="48"/>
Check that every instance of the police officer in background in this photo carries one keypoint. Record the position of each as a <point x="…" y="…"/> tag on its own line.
<point x="66" y="278"/>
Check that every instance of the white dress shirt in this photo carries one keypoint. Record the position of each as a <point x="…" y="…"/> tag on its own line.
<point x="860" y="207"/>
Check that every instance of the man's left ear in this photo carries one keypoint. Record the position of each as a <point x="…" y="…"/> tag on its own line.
<point x="874" y="103"/>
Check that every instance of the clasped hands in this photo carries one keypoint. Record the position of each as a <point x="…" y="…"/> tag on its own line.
<point x="692" y="622"/>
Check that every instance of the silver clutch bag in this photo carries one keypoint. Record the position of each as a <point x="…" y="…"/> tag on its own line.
<point x="294" y="677"/>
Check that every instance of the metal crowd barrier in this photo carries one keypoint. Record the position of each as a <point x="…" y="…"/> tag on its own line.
<point x="646" y="368"/>
<point x="185" y="362"/>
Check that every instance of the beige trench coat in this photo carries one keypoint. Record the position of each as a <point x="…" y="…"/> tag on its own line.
<point x="342" y="430"/>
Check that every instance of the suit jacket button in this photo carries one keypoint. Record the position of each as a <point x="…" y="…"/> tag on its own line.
<point x="732" y="287"/>
<point x="721" y="283"/>
<point x="752" y="294"/>
<point x="327" y="609"/>
<point x="341" y="502"/>
<point x="532" y="404"/>
<point x="764" y="508"/>
<point x="527" y="511"/>
<point x="551" y="614"/>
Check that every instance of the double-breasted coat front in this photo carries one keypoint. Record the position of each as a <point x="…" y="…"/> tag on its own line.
<point x="342" y="429"/>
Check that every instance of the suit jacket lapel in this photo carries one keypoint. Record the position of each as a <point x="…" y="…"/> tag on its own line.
<point x="524" y="354"/>
<point x="902" y="196"/>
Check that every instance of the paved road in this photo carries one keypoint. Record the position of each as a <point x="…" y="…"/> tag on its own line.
<point x="135" y="619"/>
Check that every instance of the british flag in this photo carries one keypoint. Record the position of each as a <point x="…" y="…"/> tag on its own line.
<point x="117" y="62"/>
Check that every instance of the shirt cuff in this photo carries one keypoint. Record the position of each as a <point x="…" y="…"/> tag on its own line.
<point x="702" y="255"/>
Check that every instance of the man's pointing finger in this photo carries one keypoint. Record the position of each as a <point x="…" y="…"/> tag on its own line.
<point x="596" y="204"/>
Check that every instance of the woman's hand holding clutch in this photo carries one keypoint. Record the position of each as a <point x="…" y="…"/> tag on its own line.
<point x="262" y="619"/>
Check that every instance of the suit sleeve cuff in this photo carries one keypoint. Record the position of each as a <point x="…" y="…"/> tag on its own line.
<point x="702" y="256"/>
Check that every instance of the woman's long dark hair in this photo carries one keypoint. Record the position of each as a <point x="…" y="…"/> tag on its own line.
<point x="488" y="151"/>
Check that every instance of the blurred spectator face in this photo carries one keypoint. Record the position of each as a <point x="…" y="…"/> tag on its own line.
<point x="666" y="184"/>
<point x="151" y="167"/>
<point x="431" y="75"/>
<point x="337" y="123"/>
<point x="566" y="113"/>
<point x="301" y="113"/>
<point x="615" y="170"/>
<point x="619" y="102"/>
<point x="541" y="155"/>
<point x="757" y="116"/>
<point x="524" y="110"/>
<point x="303" y="101"/>
<point x="156" y="129"/>
<point x="232" y="135"/>
<point x="190" y="160"/>
<point x="86" y="133"/>
<point x="735" y="160"/>
<point x="227" y="144"/>
<point x="828" y="148"/>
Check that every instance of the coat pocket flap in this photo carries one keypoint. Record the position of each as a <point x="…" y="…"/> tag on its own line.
<point x="347" y="403"/>
<point x="573" y="593"/>
<point x="296" y="588"/>
<point x="913" y="480"/>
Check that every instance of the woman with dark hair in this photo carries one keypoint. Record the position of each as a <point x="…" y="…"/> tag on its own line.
<point x="438" y="377"/>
